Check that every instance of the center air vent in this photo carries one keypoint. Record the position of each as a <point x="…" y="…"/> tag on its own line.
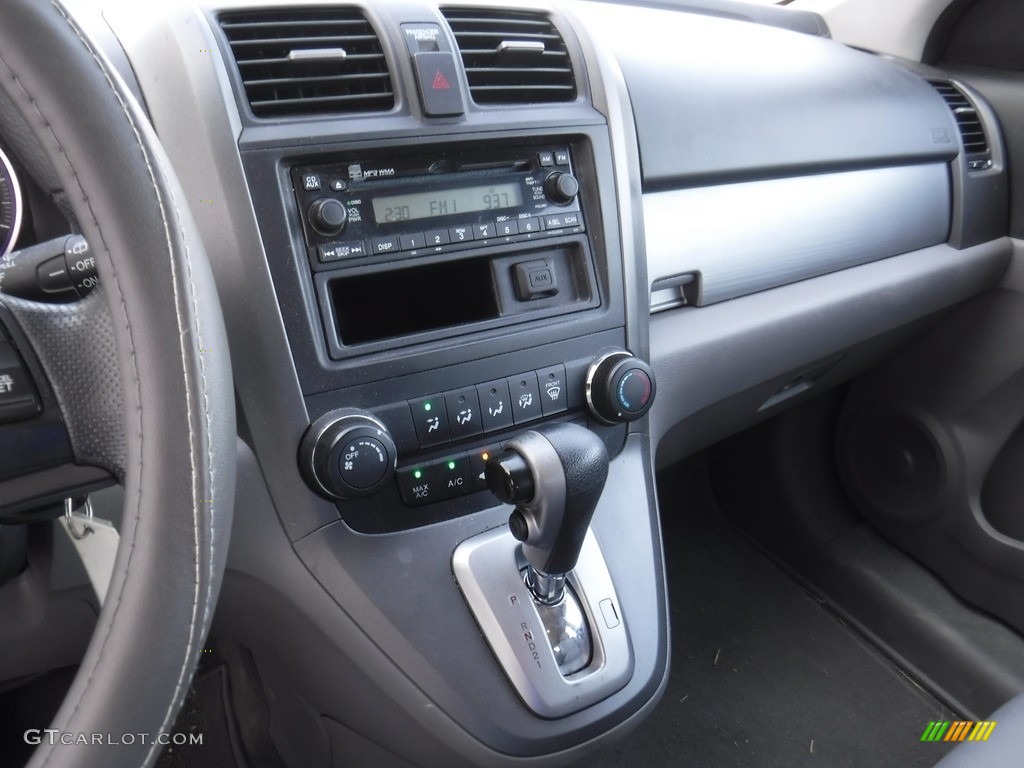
<point x="311" y="61"/>
<point x="512" y="57"/>
<point x="972" y="132"/>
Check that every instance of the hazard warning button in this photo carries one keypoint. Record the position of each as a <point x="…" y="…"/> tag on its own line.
<point x="438" y="80"/>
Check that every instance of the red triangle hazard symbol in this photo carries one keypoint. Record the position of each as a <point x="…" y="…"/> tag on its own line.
<point x="441" y="82"/>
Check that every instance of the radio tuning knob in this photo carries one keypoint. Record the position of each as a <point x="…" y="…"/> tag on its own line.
<point x="328" y="216"/>
<point x="619" y="387"/>
<point x="347" y="454"/>
<point x="561" y="188"/>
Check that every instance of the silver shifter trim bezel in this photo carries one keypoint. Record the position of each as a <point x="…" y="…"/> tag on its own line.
<point x="487" y="568"/>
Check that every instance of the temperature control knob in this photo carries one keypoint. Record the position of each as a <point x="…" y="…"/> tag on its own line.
<point x="347" y="454"/>
<point x="561" y="188"/>
<point x="328" y="216"/>
<point x="620" y="388"/>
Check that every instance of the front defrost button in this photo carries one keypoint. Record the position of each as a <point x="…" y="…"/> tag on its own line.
<point x="553" y="395"/>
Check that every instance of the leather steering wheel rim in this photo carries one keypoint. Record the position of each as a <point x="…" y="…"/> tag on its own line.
<point x="167" y="340"/>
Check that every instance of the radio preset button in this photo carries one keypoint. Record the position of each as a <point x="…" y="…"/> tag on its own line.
<point x="337" y="251"/>
<point x="437" y="237"/>
<point x="506" y="228"/>
<point x="529" y="225"/>
<point x="545" y="159"/>
<point x="412" y="241"/>
<point x="495" y="405"/>
<point x="381" y="245"/>
<point x="483" y="231"/>
<point x="461" y="234"/>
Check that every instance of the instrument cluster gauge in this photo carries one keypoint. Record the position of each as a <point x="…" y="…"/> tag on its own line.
<point x="10" y="206"/>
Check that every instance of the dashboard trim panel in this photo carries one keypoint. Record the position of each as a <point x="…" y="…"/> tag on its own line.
<point x="744" y="238"/>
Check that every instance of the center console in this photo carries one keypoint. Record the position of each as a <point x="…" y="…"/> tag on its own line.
<point x="412" y="293"/>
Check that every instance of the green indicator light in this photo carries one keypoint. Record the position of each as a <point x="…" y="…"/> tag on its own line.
<point x="417" y="474"/>
<point x="427" y="406"/>
<point x="451" y="465"/>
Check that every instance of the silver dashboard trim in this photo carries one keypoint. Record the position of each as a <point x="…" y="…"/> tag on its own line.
<point x="16" y="204"/>
<point x="750" y="236"/>
<point x="487" y="568"/>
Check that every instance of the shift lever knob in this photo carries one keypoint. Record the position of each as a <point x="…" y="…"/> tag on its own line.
<point x="554" y="475"/>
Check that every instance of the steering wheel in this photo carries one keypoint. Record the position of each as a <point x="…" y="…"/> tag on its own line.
<point x="155" y="330"/>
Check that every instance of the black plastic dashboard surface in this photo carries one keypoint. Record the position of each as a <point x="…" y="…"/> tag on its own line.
<point x="743" y="101"/>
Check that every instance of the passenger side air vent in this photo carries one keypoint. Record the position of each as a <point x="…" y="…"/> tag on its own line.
<point x="971" y="130"/>
<point x="512" y="57"/>
<point x="308" y="61"/>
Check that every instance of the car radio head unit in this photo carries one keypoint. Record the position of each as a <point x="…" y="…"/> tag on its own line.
<point x="368" y="209"/>
<point x="414" y="246"/>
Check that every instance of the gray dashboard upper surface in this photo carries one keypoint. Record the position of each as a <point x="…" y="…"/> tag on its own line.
<point x="809" y="105"/>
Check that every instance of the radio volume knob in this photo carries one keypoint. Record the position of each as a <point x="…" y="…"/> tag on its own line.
<point x="561" y="188"/>
<point x="328" y="216"/>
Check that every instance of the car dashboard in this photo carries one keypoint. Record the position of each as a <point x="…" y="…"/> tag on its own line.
<point x="435" y="227"/>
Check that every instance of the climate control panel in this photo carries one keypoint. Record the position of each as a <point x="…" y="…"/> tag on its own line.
<point x="433" y="448"/>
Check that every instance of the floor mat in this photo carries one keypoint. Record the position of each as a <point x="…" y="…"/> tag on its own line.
<point x="762" y="673"/>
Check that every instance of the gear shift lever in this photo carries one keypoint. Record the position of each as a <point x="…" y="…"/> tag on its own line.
<point x="554" y="475"/>
<point x="555" y="584"/>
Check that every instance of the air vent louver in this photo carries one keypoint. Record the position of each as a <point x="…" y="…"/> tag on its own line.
<point x="971" y="130"/>
<point x="309" y="61"/>
<point x="512" y="57"/>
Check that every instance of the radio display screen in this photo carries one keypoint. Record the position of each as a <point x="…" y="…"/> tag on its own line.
<point x="425" y="205"/>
